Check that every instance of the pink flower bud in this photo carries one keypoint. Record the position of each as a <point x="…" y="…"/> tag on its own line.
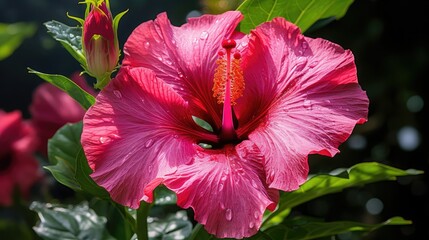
<point x="100" y="42"/>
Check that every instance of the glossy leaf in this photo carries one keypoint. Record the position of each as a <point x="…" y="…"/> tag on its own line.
<point x="303" y="228"/>
<point x="175" y="226"/>
<point x="69" y="222"/>
<point x="69" y="37"/>
<point x="70" y="166"/>
<point x="322" y="184"/>
<point x="303" y="13"/>
<point x="67" y="85"/>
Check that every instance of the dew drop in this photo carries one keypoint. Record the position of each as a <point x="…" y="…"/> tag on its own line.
<point x="147" y="45"/>
<point x="228" y="214"/>
<point x="149" y="143"/>
<point x="223" y="178"/>
<point x="104" y="140"/>
<point x="117" y="93"/>
<point x="256" y="215"/>
<point x="308" y="105"/>
<point x="304" y="45"/>
<point x="204" y="35"/>
<point x="313" y="64"/>
<point x="173" y="42"/>
<point x="176" y="136"/>
<point x="251" y="225"/>
<point x="254" y="184"/>
<point x="168" y="62"/>
<point x="220" y="187"/>
<point x="145" y="198"/>
<point x="222" y="206"/>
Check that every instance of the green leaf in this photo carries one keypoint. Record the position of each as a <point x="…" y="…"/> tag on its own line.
<point x="85" y="99"/>
<point x="302" y="228"/>
<point x="69" y="37"/>
<point x="70" y="166"/>
<point x="174" y="226"/>
<point x="200" y="122"/>
<point x="164" y="196"/>
<point x="12" y="35"/>
<point x="319" y="185"/>
<point x="69" y="222"/>
<point x="303" y="13"/>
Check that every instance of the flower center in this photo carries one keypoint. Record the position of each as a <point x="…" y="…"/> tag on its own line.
<point x="228" y="87"/>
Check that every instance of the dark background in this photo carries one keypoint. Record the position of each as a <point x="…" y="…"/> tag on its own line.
<point x="392" y="56"/>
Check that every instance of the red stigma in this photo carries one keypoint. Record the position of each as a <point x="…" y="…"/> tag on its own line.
<point x="237" y="55"/>
<point x="229" y="43"/>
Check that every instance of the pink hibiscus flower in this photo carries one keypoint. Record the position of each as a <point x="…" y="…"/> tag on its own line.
<point x="18" y="166"/>
<point x="271" y="98"/>
<point x="51" y="108"/>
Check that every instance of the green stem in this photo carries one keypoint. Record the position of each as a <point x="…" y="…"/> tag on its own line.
<point x="195" y="231"/>
<point x="141" y="224"/>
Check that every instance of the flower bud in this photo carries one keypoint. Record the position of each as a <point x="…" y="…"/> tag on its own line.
<point x="100" y="42"/>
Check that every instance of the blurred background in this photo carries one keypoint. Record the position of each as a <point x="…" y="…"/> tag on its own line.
<point x="388" y="39"/>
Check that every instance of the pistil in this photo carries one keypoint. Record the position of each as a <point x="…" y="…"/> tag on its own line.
<point x="228" y="86"/>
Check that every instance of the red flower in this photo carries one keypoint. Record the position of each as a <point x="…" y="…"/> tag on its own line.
<point x="18" y="166"/>
<point x="100" y="42"/>
<point x="271" y="98"/>
<point x="51" y="108"/>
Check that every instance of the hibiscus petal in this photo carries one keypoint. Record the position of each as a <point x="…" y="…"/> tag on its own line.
<point x="313" y="106"/>
<point x="226" y="189"/>
<point x="134" y="133"/>
<point x="184" y="56"/>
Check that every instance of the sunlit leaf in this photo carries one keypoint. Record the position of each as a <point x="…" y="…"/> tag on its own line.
<point x="69" y="165"/>
<point x="303" y="13"/>
<point x="69" y="222"/>
<point x="175" y="226"/>
<point x="12" y="35"/>
<point x="67" y="85"/>
<point x="69" y="37"/>
<point x="303" y="228"/>
<point x="319" y="185"/>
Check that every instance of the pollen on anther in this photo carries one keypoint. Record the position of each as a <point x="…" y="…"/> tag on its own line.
<point x="234" y="74"/>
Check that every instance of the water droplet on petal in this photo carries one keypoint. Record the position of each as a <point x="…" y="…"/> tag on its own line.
<point x="222" y="206"/>
<point x="149" y="143"/>
<point x="204" y="35"/>
<point x="308" y="105"/>
<point x="145" y="198"/>
<point x="176" y="136"/>
<point x="313" y="64"/>
<point x="256" y="215"/>
<point x="304" y="45"/>
<point x="223" y="178"/>
<point x="104" y="140"/>
<point x="147" y="45"/>
<point x="254" y="184"/>
<point x="220" y="187"/>
<point x="168" y="62"/>
<point x="117" y="93"/>
<point x="251" y="225"/>
<point x="228" y="214"/>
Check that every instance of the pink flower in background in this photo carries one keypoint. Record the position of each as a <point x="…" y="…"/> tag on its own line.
<point x="18" y="166"/>
<point x="271" y="98"/>
<point x="51" y="108"/>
